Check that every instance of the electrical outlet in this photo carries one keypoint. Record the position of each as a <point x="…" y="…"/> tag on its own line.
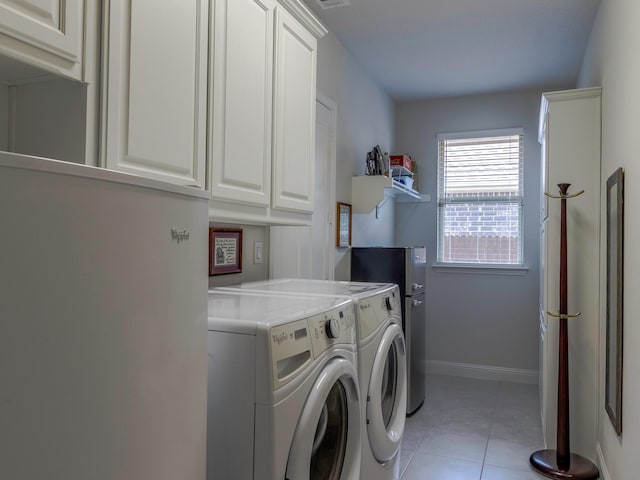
<point x="257" y="252"/>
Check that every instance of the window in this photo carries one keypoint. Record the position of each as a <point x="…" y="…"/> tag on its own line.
<point x="480" y="197"/>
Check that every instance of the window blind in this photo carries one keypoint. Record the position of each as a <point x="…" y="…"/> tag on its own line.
<point x="480" y="196"/>
<point x="481" y="167"/>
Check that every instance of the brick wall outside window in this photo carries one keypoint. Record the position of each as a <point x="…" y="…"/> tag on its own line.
<point x="477" y="232"/>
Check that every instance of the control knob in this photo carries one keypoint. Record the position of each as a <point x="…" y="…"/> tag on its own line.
<point x="387" y="302"/>
<point x="332" y="327"/>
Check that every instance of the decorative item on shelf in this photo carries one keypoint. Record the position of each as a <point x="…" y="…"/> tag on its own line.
<point x="403" y="170"/>
<point x="614" y="342"/>
<point x="405" y="180"/>
<point x="561" y="463"/>
<point x="375" y="162"/>
<point x="225" y="251"/>
<point x="404" y="161"/>
<point x="343" y="232"/>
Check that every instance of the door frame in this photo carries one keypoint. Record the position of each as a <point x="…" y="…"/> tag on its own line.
<point x="332" y="106"/>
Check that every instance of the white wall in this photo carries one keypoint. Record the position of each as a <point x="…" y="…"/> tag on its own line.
<point x="365" y="119"/>
<point x="496" y="324"/>
<point x="612" y="60"/>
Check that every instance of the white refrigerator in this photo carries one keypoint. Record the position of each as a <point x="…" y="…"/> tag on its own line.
<point x="103" y="322"/>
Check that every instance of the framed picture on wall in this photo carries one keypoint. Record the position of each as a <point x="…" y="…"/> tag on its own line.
<point x="225" y="251"/>
<point x="343" y="232"/>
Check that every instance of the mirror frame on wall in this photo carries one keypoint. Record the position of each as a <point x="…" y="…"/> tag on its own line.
<point x="614" y="295"/>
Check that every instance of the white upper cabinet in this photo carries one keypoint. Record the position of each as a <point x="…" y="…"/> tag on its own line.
<point x="262" y="111"/>
<point x="44" y="33"/>
<point x="154" y="89"/>
<point x="241" y="73"/>
<point x="294" y="128"/>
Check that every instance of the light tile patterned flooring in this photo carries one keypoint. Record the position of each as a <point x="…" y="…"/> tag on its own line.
<point x="472" y="429"/>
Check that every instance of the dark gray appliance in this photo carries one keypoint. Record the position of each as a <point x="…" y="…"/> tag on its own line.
<point x="406" y="267"/>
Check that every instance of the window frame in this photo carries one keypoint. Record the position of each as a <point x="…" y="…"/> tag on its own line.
<point x="508" y="268"/>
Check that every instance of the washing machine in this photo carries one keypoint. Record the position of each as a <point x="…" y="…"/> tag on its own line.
<point x="283" y="392"/>
<point x="382" y="367"/>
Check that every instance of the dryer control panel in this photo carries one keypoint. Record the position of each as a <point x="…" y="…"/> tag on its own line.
<point x="375" y="310"/>
<point x="331" y="328"/>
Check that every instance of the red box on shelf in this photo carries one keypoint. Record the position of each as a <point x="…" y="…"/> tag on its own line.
<point x="401" y="161"/>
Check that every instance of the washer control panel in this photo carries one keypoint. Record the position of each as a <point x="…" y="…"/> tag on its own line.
<point x="295" y="345"/>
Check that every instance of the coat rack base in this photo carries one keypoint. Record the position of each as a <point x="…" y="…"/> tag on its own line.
<point x="545" y="463"/>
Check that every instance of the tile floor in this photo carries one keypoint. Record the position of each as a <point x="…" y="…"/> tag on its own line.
<point x="472" y="429"/>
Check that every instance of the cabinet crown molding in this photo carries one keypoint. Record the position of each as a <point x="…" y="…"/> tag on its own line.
<point x="561" y="96"/>
<point x="305" y="16"/>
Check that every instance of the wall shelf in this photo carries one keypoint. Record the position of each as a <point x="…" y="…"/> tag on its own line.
<point x="397" y="170"/>
<point x="370" y="191"/>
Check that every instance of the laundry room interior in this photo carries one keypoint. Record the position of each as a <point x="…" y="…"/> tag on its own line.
<point x="319" y="239"/>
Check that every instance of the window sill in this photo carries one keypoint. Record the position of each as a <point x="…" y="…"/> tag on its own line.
<point x="480" y="268"/>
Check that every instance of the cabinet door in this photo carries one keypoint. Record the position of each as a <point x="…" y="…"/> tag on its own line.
<point x="294" y="104"/>
<point x="156" y="89"/>
<point x="241" y="104"/>
<point x="51" y="26"/>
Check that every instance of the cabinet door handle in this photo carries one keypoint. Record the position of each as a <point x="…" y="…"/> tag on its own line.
<point x="417" y="302"/>
<point x="416" y="286"/>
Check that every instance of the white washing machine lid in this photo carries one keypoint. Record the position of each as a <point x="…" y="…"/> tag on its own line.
<point x="327" y="440"/>
<point x="387" y="396"/>
<point x="299" y="286"/>
<point x="247" y="312"/>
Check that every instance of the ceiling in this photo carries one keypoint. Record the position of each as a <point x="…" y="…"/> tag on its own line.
<point x="439" y="48"/>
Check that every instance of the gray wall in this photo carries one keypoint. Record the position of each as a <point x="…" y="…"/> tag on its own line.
<point x="365" y="118"/>
<point x="4" y="117"/>
<point x="475" y="319"/>
<point x="612" y="60"/>
<point x="48" y="119"/>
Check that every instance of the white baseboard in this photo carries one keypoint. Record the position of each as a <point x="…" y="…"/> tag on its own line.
<point x="604" y="473"/>
<point x="484" y="372"/>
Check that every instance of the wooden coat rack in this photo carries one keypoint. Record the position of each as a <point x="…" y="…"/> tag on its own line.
<point x="561" y="463"/>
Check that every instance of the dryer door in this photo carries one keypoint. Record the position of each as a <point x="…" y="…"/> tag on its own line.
<point x="326" y="445"/>
<point x="387" y="395"/>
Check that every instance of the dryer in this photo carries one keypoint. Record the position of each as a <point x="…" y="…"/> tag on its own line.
<point x="283" y="393"/>
<point x="382" y="367"/>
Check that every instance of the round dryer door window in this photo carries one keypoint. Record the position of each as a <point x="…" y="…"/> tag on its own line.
<point x="326" y="445"/>
<point x="387" y="396"/>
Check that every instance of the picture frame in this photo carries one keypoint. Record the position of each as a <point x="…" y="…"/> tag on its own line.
<point x="225" y="251"/>
<point x="343" y="232"/>
<point x="614" y="298"/>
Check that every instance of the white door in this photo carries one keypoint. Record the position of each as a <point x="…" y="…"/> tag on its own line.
<point x="387" y="396"/>
<point x="308" y="252"/>
<point x="327" y="441"/>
